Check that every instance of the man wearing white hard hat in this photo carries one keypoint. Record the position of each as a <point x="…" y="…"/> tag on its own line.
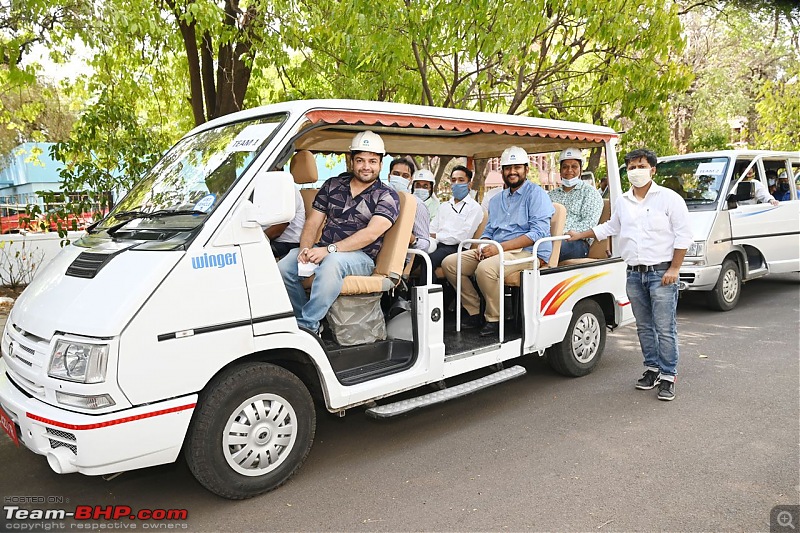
<point x="422" y="187"/>
<point x="582" y="201"/>
<point x="518" y="217"/>
<point x="356" y="209"/>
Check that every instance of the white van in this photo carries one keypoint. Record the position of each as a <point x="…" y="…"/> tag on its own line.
<point x="738" y="234"/>
<point x="167" y="327"/>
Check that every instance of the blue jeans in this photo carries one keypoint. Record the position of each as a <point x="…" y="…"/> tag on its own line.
<point x="573" y="249"/>
<point x="655" y="307"/>
<point x="328" y="280"/>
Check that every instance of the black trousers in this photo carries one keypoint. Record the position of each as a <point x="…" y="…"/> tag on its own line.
<point x="279" y="249"/>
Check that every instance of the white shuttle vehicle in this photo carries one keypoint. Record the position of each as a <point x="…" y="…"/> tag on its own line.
<point x="166" y="329"/>
<point x="738" y="234"/>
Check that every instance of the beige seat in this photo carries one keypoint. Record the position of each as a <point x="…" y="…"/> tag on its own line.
<point x="304" y="171"/>
<point x="391" y="259"/>
<point x="598" y="249"/>
<point x="556" y="228"/>
<point x="439" y="272"/>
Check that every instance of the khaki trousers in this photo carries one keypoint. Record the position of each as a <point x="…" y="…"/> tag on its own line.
<point x="487" y="272"/>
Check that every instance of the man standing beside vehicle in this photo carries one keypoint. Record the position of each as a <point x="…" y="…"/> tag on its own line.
<point x="356" y="209"/>
<point x="583" y="203"/>
<point x="518" y="217"/>
<point x="653" y="227"/>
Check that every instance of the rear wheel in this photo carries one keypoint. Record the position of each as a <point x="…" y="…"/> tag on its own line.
<point x="725" y="294"/>
<point x="252" y="431"/>
<point x="583" y="345"/>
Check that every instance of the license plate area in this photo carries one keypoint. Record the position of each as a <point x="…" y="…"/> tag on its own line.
<point x="9" y="427"/>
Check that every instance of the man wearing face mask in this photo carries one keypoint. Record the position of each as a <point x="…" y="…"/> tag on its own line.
<point x="582" y="201"/>
<point x="422" y="186"/>
<point x="458" y="217"/>
<point x="653" y="227"/>
<point x="400" y="171"/>
<point x="518" y="217"/>
<point x="782" y="190"/>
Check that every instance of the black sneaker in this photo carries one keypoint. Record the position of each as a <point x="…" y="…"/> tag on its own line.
<point x="470" y="321"/>
<point x="666" y="390"/>
<point x="649" y="379"/>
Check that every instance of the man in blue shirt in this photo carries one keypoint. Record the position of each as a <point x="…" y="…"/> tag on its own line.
<point x="518" y="217"/>
<point x="356" y="210"/>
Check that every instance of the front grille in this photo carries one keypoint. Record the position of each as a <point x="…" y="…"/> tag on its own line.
<point x="688" y="278"/>
<point x="26" y="358"/>
<point x="59" y="439"/>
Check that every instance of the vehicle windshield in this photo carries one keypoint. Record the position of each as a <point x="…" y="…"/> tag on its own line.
<point x="698" y="181"/>
<point x="185" y="186"/>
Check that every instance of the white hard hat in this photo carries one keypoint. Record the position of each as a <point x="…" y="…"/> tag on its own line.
<point x="571" y="153"/>
<point x="423" y="175"/>
<point x="367" y="141"/>
<point x="514" y="156"/>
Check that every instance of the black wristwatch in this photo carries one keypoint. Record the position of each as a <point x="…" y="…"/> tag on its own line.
<point x="331" y="248"/>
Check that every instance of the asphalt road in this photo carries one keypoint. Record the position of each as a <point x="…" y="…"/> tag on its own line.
<point x="542" y="452"/>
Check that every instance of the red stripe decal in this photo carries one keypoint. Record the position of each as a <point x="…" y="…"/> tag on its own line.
<point x="109" y="422"/>
<point x="623" y="305"/>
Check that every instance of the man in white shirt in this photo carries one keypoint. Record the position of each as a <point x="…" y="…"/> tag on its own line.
<point x="458" y="218"/>
<point x="284" y="237"/>
<point x="762" y="195"/>
<point x="653" y="227"/>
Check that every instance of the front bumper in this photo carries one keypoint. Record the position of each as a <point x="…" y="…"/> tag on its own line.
<point x="97" y="444"/>
<point x="699" y="278"/>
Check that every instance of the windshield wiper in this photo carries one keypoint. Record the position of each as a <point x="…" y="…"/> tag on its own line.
<point x="161" y="213"/>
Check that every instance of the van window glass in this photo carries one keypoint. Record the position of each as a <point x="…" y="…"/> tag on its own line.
<point x="192" y="178"/>
<point x="698" y="180"/>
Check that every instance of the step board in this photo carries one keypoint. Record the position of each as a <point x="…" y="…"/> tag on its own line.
<point x="404" y="406"/>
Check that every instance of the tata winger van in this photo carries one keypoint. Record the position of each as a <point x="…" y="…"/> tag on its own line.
<point x="737" y="238"/>
<point x="167" y="327"/>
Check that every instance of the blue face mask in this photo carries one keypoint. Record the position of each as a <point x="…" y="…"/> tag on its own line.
<point x="460" y="190"/>
<point x="422" y="194"/>
<point x="783" y="187"/>
<point x="400" y="184"/>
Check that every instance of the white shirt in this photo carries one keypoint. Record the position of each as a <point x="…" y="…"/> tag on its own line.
<point x="457" y="221"/>
<point x="649" y="230"/>
<point x="295" y="227"/>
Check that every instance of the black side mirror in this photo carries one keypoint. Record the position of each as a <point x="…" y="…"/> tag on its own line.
<point x="745" y="190"/>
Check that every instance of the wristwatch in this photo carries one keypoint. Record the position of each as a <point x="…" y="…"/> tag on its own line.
<point x="331" y="248"/>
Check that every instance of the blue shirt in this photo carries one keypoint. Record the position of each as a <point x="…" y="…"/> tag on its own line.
<point x="527" y="211"/>
<point x="347" y="215"/>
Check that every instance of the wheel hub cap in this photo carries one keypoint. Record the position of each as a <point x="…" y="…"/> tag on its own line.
<point x="259" y="434"/>
<point x="586" y="338"/>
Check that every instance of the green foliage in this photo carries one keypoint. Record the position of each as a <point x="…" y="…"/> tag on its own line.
<point x="779" y="109"/>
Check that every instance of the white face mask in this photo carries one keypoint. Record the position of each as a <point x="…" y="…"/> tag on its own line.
<point x="571" y="182"/>
<point x="639" y="177"/>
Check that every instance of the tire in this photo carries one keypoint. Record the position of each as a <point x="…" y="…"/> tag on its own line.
<point x="583" y="345"/>
<point x="274" y="416"/>
<point x="725" y="294"/>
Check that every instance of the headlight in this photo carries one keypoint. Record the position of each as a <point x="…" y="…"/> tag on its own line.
<point x="696" y="249"/>
<point x="77" y="361"/>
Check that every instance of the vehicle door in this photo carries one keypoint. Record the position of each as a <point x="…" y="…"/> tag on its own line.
<point x="772" y="230"/>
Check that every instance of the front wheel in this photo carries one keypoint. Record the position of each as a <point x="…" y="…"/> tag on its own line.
<point x="725" y="294"/>
<point x="252" y="430"/>
<point x="583" y="345"/>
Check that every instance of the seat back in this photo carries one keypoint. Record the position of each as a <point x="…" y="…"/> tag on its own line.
<point x="391" y="259"/>
<point x="557" y="224"/>
<point x="481" y="227"/>
<point x="303" y="168"/>
<point x="598" y="248"/>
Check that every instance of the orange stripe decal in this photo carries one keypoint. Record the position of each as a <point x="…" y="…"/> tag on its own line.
<point x="558" y="289"/>
<point x="569" y="291"/>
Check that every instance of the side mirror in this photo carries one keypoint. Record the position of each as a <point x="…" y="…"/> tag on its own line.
<point x="745" y="190"/>
<point x="273" y="199"/>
